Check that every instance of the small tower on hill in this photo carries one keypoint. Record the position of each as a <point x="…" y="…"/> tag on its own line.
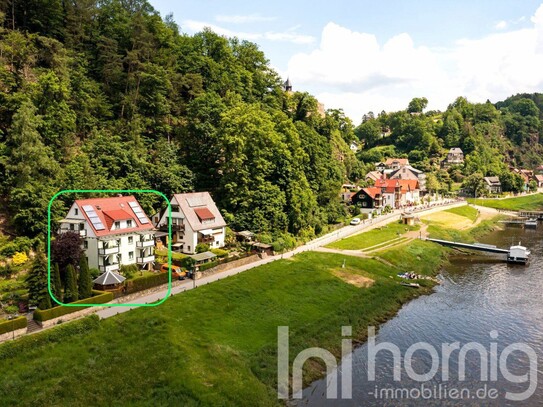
<point x="287" y="85"/>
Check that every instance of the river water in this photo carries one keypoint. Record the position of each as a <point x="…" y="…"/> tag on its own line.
<point x="479" y="294"/>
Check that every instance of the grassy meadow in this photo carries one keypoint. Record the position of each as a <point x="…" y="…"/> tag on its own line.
<point x="522" y="203"/>
<point x="215" y="345"/>
<point x="373" y="237"/>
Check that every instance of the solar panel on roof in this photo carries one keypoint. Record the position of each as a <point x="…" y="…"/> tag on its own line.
<point x="195" y="201"/>
<point x="138" y="212"/>
<point x="93" y="217"/>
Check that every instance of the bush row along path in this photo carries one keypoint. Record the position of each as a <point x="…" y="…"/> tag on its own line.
<point x="312" y="245"/>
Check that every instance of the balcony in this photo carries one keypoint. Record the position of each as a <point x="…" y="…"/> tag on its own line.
<point x="145" y="243"/>
<point x="144" y="260"/>
<point x="175" y="227"/>
<point x="206" y="239"/>
<point x="109" y="267"/>
<point x="108" y="250"/>
<point x="82" y="232"/>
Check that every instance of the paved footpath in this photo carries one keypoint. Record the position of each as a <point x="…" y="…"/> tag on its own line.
<point x="312" y="245"/>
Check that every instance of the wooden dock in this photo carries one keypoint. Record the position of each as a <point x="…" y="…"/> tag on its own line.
<point x="515" y="254"/>
<point x="472" y="246"/>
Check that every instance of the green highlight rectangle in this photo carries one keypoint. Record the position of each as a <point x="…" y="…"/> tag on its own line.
<point x="100" y="191"/>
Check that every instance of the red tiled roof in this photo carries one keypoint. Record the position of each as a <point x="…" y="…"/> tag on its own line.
<point x="113" y="209"/>
<point x="372" y="191"/>
<point x="391" y="184"/>
<point x="401" y="161"/>
<point x="204" y="214"/>
<point x="118" y="214"/>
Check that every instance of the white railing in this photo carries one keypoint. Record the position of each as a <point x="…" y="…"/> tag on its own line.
<point x="145" y="243"/>
<point x="108" y="250"/>
<point x="146" y="259"/>
<point x="109" y="267"/>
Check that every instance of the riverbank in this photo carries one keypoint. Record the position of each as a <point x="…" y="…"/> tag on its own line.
<point x="216" y="345"/>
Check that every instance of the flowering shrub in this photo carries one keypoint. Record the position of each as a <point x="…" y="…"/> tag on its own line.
<point x="19" y="258"/>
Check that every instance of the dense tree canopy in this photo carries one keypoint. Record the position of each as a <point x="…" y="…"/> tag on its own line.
<point x="109" y="95"/>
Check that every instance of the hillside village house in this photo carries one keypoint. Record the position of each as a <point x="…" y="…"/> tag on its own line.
<point x="347" y="192"/>
<point x="493" y="185"/>
<point x="115" y="232"/>
<point x="539" y="180"/>
<point x="526" y="176"/>
<point x="369" y="199"/>
<point x="396" y="163"/>
<point x="455" y="156"/>
<point x="195" y="219"/>
<point x="397" y="193"/>
<point x="408" y="172"/>
<point x="373" y="176"/>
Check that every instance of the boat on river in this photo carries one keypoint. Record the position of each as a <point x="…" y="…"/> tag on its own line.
<point x="518" y="254"/>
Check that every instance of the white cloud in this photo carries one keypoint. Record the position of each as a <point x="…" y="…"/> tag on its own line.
<point x="354" y="71"/>
<point x="501" y="25"/>
<point x="242" y="19"/>
<point x="289" y="35"/>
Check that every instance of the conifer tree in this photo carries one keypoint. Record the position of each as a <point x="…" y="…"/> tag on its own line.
<point x="85" y="282"/>
<point x="37" y="283"/>
<point x="56" y="285"/>
<point x="70" y="293"/>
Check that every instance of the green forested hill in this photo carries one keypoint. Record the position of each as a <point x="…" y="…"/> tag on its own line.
<point x="108" y="95"/>
<point x="492" y="137"/>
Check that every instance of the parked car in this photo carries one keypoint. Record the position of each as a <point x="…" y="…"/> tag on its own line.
<point x="355" y="221"/>
<point x="177" y="272"/>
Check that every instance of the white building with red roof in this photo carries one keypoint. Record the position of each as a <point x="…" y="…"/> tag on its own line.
<point x="195" y="219"/>
<point x="397" y="193"/>
<point x="115" y="231"/>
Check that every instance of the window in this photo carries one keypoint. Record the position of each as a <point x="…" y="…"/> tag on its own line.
<point x="130" y="255"/>
<point x="117" y="225"/>
<point x="85" y="244"/>
<point x="71" y="226"/>
<point x="364" y="203"/>
<point x="76" y="211"/>
<point x="130" y="240"/>
<point x="81" y="226"/>
<point x="129" y="223"/>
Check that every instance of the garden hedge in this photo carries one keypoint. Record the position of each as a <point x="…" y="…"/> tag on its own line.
<point x="13" y="324"/>
<point x="145" y="282"/>
<point x="57" y="334"/>
<point x="207" y="266"/>
<point x="100" y="297"/>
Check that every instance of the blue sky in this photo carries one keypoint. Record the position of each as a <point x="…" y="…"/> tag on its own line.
<point x="362" y="55"/>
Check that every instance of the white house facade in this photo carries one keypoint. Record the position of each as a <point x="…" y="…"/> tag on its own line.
<point x="195" y="219"/>
<point x="115" y="232"/>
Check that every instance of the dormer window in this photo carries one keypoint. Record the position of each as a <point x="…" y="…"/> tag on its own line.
<point x="117" y="225"/>
<point x="129" y="223"/>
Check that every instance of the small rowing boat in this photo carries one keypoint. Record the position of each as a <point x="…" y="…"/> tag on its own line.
<point x="412" y="285"/>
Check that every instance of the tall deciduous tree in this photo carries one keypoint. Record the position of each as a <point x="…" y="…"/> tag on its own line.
<point x="66" y="250"/>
